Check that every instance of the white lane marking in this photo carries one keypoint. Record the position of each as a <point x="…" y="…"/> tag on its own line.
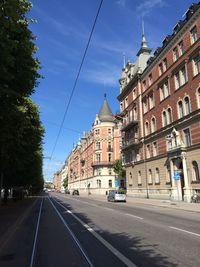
<point x="105" y="208"/>
<point x="36" y="235"/>
<point x="116" y="252"/>
<point x="185" y="231"/>
<point x="71" y="233"/>
<point x="134" y="216"/>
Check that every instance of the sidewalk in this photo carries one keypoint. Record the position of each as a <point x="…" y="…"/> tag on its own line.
<point x="11" y="215"/>
<point x="179" y="205"/>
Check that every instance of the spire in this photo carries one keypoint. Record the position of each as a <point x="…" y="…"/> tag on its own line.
<point x="105" y="114"/>
<point x="124" y="60"/>
<point x="144" y="47"/>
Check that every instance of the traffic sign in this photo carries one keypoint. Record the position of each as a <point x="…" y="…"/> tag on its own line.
<point x="177" y="175"/>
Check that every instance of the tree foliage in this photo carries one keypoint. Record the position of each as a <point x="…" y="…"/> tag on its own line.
<point x="118" y="168"/>
<point x="21" y="130"/>
<point x="65" y="182"/>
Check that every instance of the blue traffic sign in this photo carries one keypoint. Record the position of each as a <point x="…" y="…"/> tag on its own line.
<point x="177" y="175"/>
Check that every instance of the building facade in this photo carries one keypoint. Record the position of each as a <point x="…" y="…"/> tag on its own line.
<point x="90" y="162"/>
<point x="160" y="107"/>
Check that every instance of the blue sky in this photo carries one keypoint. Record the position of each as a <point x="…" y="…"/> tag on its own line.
<point x="62" y="31"/>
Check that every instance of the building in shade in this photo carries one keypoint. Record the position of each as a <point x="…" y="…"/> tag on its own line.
<point x="160" y="108"/>
<point x="90" y="162"/>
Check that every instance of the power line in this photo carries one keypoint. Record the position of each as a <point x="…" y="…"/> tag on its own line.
<point x="77" y="77"/>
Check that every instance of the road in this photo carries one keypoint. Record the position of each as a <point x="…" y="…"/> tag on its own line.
<point x="64" y="230"/>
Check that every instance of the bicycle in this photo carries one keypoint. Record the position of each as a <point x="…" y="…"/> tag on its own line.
<point x="195" y="198"/>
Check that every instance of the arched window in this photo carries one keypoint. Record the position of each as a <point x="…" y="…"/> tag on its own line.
<point x="180" y="109"/>
<point x="169" y="111"/>
<point x="157" y="176"/>
<point x="187" y="105"/>
<point x="139" y="177"/>
<point x="146" y="128"/>
<point x="153" y="124"/>
<point x="150" y="176"/>
<point x="164" y="118"/>
<point x="195" y="171"/>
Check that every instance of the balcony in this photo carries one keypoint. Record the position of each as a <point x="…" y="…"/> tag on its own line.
<point x="109" y="149"/>
<point x="129" y="124"/>
<point x="130" y="143"/>
<point x="102" y="163"/>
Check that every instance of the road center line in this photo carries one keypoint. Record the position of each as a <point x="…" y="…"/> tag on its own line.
<point x="185" y="231"/>
<point x="131" y="215"/>
<point x="118" y="254"/>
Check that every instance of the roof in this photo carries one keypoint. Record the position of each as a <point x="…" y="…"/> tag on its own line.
<point x="105" y="114"/>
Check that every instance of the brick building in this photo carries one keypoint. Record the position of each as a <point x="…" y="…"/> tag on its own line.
<point x="160" y="106"/>
<point x="90" y="162"/>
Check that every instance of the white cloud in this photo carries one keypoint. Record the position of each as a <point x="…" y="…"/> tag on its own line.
<point x="121" y="3"/>
<point x="145" y="8"/>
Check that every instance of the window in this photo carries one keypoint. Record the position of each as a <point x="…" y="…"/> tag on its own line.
<point x="162" y="93"/>
<point x="181" y="48"/>
<point x="153" y="125"/>
<point x="169" y="112"/>
<point x="121" y="106"/>
<point x="134" y="93"/>
<point x="150" y="79"/>
<point x="109" y="157"/>
<point x="99" y="183"/>
<point x="157" y="176"/>
<point x="150" y="177"/>
<point x="97" y="131"/>
<point x="148" y="151"/>
<point x="109" y="183"/>
<point x="139" y="178"/>
<point x="145" y="105"/>
<point x="168" y="175"/>
<point x="195" y="171"/>
<point x="198" y="97"/>
<point x="180" y="109"/>
<point x="194" y="36"/>
<point x="160" y="69"/>
<point x="146" y="128"/>
<point x="175" y="53"/>
<point x="187" y="105"/>
<point x="109" y="131"/>
<point x="164" y="64"/>
<point x="98" y="157"/>
<point x="151" y="101"/>
<point x="110" y="171"/>
<point x="164" y="118"/>
<point x="187" y="137"/>
<point x="144" y="85"/>
<point x="98" y="145"/>
<point x="196" y="65"/>
<point x="155" y="149"/>
<point x="126" y="102"/>
<point x="183" y="75"/>
<point x="177" y="80"/>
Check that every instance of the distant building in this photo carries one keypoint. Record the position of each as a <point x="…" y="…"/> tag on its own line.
<point x="160" y="106"/>
<point x="90" y="162"/>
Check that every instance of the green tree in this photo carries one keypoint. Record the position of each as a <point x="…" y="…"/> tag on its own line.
<point x="21" y="131"/>
<point x="65" y="182"/>
<point x="118" y="168"/>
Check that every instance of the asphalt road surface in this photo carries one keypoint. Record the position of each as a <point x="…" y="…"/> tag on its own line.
<point x="63" y="230"/>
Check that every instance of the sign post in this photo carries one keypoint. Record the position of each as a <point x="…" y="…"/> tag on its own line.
<point x="177" y="177"/>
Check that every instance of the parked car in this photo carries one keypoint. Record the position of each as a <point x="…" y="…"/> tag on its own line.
<point x="116" y="195"/>
<point x="75" y="192"/>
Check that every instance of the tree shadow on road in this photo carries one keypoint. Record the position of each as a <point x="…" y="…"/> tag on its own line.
<point x="136" y="249"/>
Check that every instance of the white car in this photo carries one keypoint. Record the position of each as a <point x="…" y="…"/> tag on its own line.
<point x="116" y="195"/>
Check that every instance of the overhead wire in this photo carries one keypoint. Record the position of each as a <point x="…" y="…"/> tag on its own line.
<point x="77" y="77"/>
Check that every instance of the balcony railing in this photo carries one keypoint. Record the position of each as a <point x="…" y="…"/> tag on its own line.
<point x="174" y="148"/>
<point x="102" y="163"/>
<point x="129" y="124"/>
<point x="130" y="143"/>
